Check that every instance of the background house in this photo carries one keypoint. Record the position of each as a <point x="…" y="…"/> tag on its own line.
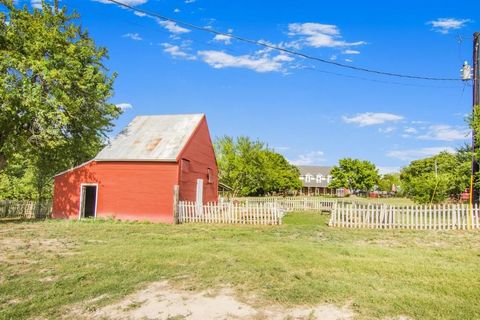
<point x="315" y="180"/>
<point x="133" y="178"/>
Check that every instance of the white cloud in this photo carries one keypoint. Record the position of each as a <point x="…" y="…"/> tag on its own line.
<point x="223" y="38"/>
<point x="333" y="57"/>
<point x="189" y="1"/>
<point x="412" y="154"/>
<point x="176" y="10"/>
<point x="443" y="132"/>
<point x="124" y="106"/>
<point x="386" y="130"/>
<point x="283" y="58"/>
<point x="348" y="60"/>
<point x="176" y="52"/>
<point x="172" y="27"/>
<point x="410" y="130"/>
<point x="220" y="59"/>
<point x="419" y="122"/>
<point x="386" y="170"/>
<point x="140" y="14"/>
<point x="445" y="25"/>
<point x="320" y="35"/>
<point x="133" y="36"/>
<point x="37" y="4"/>
<point x="372" y="118"/>
<point x="310" y="158"/>
<point x="349" y="51"/>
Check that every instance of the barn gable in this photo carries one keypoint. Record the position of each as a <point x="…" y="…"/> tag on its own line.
<point x="197" y="161"/>
<point x="152" y="138"/>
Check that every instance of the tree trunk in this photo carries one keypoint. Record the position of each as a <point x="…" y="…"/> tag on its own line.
<point x="3" y="161"/>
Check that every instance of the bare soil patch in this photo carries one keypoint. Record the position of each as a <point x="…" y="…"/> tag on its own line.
<point x="162" y="301"/>
<point x="24" y="253"/>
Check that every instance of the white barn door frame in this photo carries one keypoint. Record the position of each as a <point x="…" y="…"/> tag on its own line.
<point x="199" y="198"/>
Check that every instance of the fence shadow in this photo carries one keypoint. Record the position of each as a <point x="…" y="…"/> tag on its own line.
<point x="20" y="220"/>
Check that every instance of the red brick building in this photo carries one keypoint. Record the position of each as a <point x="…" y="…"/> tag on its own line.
<point x="133" y="178"/>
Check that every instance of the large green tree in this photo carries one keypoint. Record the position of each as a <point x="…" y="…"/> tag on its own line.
<point x="436" y="178"/>
<point x="387" y="181"/>
<point x="251" y="168"/>
<point x="54" y="91"/>
<point x="355" y="175"/>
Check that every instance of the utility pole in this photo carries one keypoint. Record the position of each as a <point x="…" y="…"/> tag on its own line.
<point x="474" y="193"/>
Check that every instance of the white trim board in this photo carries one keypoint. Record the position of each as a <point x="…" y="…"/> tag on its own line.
<point x="71" y="169"/>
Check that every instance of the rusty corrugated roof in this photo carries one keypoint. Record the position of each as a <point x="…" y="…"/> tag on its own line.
<point x="151" y="138"/>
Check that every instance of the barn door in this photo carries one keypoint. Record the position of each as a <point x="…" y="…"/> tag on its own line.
<point x="88" y="201"/>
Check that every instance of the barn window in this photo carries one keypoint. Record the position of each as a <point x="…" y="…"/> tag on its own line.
<point x="209" y="175"/>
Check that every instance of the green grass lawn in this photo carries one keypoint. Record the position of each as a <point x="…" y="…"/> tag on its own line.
<point x="47" y="266"/>
<point x="393" y="201"/>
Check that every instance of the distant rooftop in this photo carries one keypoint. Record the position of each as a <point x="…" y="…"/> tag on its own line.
<point x="315" y="176"/>
<point x="152" y="138"/>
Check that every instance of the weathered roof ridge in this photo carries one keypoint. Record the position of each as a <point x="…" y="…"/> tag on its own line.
<point x="152" y="138"/>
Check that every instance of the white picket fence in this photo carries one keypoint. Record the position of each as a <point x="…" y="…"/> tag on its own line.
<point x="230" y="213"/>
<point x="292" y="203"/>
<point x="435" y="217"/>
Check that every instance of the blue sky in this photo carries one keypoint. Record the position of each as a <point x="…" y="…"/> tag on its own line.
<point x="311" y="112"/>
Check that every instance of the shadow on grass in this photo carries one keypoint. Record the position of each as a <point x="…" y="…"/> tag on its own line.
<point x="18" y="220"/>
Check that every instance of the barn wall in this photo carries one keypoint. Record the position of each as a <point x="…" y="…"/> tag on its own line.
<point x="126" y="190"/>
<point x="201" y="156"/>
<point x="66" y="192"/>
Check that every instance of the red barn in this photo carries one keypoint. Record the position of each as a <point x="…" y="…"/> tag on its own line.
<point x="133" y="178"/>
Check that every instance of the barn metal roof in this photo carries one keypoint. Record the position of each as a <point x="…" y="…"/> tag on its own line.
<point x="152" y="138"/>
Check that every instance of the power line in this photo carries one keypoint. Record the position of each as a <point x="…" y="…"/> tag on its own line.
<point x="270" y="46"/>
<point x="349" y="76"/>
<point x="382" y="81"/>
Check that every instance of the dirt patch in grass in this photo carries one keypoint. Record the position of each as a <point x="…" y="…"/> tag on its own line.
<point x="23" y="255"/>
<point x="12" y="248"/>
<point x="162" y="301"/>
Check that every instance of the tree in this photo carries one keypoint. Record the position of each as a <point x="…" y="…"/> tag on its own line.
<point x="387" y="181"/>
<point x="54" y="91"/>
<point x="428" y="188"/>
<point x="354" y="174"/>
<point x="434" y="179"/>
<point x="281" y="176"/>
<point x="250" y="168"/>
<point x="17" y="180"/>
